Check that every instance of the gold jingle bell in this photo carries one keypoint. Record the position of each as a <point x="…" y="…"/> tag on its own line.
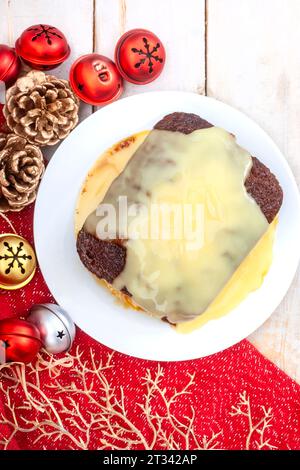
<point x="17" y="261"/>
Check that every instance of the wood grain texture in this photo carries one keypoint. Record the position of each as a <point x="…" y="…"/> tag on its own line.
<point x="254" y="65"/>
<point x="73" y="17"/>
<point x="180" y="26"/>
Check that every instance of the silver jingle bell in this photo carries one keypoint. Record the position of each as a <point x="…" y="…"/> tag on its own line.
<point x="56" y="327"/>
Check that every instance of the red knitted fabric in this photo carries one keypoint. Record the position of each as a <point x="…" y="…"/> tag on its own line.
<point x="237" y="399"/>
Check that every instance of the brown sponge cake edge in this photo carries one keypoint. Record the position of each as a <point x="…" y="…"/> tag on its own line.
<point x="107" y="258"/>
<point x="182" y="122"/>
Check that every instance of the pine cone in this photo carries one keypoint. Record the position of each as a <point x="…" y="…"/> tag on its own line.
<point x="21" y="168"/>
<point x="41" y="108"/>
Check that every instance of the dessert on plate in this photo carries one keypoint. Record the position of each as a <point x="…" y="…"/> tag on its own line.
<point x="200" y="220"/>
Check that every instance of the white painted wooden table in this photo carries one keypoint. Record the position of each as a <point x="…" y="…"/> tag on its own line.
<point x="244" y="52"/>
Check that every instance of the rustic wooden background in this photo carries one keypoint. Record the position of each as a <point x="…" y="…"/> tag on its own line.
<point x="243" y="52"/>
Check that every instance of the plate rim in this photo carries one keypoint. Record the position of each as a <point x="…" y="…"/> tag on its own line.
<point x="189" y="95"/>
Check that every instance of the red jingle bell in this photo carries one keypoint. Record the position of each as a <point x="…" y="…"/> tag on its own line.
<point x="140" y="56"/>
<point x="19" y="341"/>
<point x="10" y="65"/>
<point x="96" y="80"/>
<point x="43" y="47"/>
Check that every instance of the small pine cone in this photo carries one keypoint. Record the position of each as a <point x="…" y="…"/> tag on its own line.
<point x="21" y="168"/>
<point x="41" y="108"/>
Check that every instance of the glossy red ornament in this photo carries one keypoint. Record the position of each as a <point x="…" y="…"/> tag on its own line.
<point x="96" y="80"/>
<point x="19" y="340"/>
<point x="140" y="56"/>
<point x="43" y="47"/>
<point x="10" y="65"/>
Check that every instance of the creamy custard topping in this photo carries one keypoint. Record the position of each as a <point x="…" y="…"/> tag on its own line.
<point x="247" y="278"/>
<point x="107" y="168"/>
<point x="180" y="278"/>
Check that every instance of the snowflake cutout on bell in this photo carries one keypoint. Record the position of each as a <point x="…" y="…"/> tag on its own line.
<point x="56" y="327"/>
<point x="17" y="261"/>
<point x="140" y="56"/>
<point x="43" y="47"/>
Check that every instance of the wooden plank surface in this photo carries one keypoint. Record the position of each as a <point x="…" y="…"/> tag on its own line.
<point x="246" y="55"/>
<point x="254" y="65"/>
<point x="180" y="26"/>
<point x="73" y="17"/>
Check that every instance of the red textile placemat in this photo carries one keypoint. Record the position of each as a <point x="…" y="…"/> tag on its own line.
<point x="88" y="399"/>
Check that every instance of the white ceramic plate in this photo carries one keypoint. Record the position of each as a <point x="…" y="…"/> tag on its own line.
<point x="93" y="308"/>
